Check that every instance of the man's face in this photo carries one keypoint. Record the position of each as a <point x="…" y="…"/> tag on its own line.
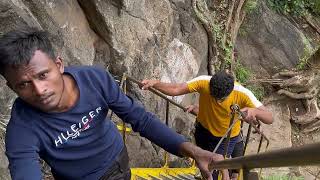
<point x="38" y="83"/>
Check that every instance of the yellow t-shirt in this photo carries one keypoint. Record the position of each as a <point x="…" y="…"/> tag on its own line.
<point x="215" y="116"/>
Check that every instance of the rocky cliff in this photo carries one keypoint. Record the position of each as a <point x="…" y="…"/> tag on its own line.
<point x="163" y="40"/>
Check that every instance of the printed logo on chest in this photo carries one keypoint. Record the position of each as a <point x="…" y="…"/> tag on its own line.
<point x="76" y="129"/>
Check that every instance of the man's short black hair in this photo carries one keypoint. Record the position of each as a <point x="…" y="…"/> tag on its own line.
<point x="17" y="47"/>
<point x="221" y="84"/>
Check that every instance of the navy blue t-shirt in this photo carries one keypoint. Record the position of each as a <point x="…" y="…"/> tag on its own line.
<point x="81" y="143"/>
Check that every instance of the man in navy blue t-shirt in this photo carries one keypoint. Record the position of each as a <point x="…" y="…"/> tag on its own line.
<point x="60" y="116"/>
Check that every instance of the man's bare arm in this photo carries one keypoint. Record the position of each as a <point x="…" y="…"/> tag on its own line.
<point x="261" y="113"/>
<point x="171" y="89"/>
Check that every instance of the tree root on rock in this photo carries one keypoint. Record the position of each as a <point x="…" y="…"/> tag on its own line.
<point x="302" y="86"/>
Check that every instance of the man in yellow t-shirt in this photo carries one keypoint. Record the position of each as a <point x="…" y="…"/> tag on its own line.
<point x="217" y="94"/>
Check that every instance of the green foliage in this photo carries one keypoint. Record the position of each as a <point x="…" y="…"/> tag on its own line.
<point x="295" y="7"/>
<point x="250" y="6"/>
<point x="258" y="91"/>
<point x="242" y="76"/>
<point x="302" y="64"/>
<point x="242" y="73"/>
<point x="315" y="6"/>
<point x="228" y="50"/>
<point x="217" y="31"/>
<point x="308" y="51"/>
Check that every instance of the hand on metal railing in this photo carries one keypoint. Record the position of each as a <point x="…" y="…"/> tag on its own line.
<point x="248" y="115"/>
<point x="249" y="118"/>
<point x="146" y="84"/>
<point x="153" y="90"/>
<point x="192" y="109"/>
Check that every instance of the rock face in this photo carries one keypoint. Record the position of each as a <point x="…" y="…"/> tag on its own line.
<point x="154" y="39"/>
<point x="269" y="42"/>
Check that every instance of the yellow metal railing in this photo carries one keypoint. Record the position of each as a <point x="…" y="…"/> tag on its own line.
<point x="163" y="173"/>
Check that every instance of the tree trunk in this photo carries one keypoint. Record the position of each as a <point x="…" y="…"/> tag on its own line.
<point x="222" y="23"/>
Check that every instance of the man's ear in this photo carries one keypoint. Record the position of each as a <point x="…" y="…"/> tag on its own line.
<point x="60" y="65"/>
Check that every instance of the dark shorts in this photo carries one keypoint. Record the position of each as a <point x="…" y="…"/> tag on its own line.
<point x="207" y="141"/>
<point x="237" y="152"/>
<point x="238" y="149"/>
<point x="120" y="169"/>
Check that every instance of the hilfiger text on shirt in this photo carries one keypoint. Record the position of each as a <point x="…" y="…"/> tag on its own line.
<point x="76" y="129"/>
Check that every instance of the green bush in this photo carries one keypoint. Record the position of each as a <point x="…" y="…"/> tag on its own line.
<point x="258" y="91"/>
<point x="314" y="6"/>
<point x="295" y="7"/>
<point x="303" y="63"/>
<point x="242" y="73"/>
<point x="242" y="76"/>
<point x="250" y="6"/>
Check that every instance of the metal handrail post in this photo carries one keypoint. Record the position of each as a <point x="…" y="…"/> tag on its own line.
<point x="166" y="154"/>
<point x="124" y="84"/>
<point x="247" y="139"/>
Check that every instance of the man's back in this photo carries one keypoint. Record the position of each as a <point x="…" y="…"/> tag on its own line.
<point x="215" y="115"/>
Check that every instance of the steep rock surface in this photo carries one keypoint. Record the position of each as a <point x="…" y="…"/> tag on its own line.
<point x="157" y="39"/>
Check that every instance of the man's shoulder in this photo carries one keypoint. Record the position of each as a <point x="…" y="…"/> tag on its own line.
<point x="204" y="78"/>
<point x="21" y="118"/>
<point x="85" y="73"/>
<point x="84" y="69"/>
<point x="238" y="88"/>
<point x="20" y="110"/>
<point x="246" y="93"/>
<point x="199" y="84"/>
<point x="20" y="132"/>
